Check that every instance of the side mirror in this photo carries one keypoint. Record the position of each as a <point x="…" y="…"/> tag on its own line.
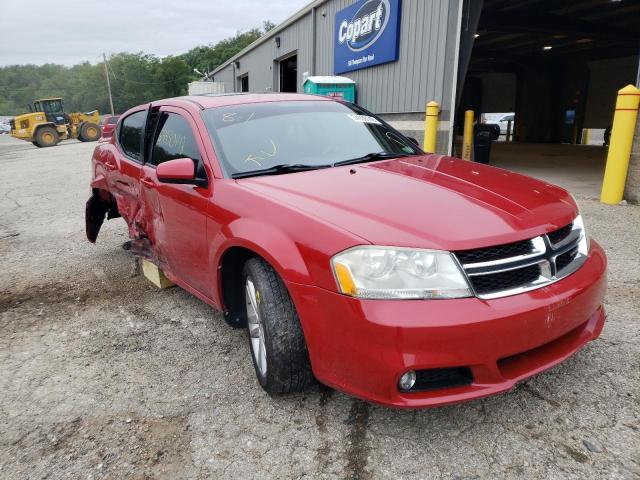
<point x="180" y="171"/>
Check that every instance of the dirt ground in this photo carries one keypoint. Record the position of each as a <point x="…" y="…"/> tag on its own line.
<point x="103" y="376"/>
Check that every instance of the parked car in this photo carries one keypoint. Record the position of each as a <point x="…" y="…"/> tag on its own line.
<point x="348" y="254"/>
<point x="108" y="125"/>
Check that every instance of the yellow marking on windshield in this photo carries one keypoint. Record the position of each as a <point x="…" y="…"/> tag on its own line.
<point x="275" y="150"/>
<point x="229" y="116"/>
<point x="254" y="159"/>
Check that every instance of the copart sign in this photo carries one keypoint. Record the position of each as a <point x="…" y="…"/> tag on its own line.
<point x="366" y="34"/>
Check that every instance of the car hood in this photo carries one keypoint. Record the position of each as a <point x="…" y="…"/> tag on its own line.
<point x="430" y="201"/>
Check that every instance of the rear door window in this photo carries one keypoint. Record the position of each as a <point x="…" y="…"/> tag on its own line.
<point x="131" y="130"/>
<point x="174" y="139"/>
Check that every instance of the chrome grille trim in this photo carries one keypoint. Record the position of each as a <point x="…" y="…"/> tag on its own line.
<point x="545" y="254"/>
<point x="538" y="249"/>
<point x="573" y="236"/>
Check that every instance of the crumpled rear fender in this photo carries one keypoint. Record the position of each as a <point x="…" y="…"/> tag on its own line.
<point x="100" y="182"/>
<point x="100" y="204"/>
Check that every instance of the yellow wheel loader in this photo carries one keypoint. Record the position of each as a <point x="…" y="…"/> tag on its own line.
<point x="48" y="123"/>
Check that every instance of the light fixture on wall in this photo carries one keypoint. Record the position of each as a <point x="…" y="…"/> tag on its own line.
<point x="277" y="40"/>
<point x="546" y="48"/>
<point x="236" y="64"/>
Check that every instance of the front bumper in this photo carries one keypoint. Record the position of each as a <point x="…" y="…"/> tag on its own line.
<point x="362" y="347"/>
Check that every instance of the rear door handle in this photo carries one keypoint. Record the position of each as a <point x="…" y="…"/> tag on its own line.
<point x="148" y="182"/>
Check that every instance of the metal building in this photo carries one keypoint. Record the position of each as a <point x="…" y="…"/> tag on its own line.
<point x="556" y="65"/>
<point x="427" y="61"/>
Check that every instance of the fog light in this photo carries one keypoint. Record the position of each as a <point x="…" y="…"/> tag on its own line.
<point x="407" y="381"/>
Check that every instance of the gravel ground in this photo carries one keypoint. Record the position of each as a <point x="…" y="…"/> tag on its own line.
<point x="103" y="376"/>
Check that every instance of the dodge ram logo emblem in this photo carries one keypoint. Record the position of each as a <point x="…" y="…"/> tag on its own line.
<point x="366" y="26"/>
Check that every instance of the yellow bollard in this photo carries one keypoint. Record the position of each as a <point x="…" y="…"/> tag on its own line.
<point x="624" y="125"/>
<point x="586" y="136"/>
<point x="467" y="136"/>
<point x="431" y="126"/>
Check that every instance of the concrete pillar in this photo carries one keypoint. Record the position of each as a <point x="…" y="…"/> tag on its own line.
<point x="632" y="188"/>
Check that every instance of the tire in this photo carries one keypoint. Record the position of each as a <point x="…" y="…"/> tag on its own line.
<point x="47" y="137"/>
<point x="282" y="364"/>
<point x="80" y="137"/>
<point x="88" y="132"/>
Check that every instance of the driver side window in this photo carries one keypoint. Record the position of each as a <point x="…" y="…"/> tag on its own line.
<point x="174" y="139"/>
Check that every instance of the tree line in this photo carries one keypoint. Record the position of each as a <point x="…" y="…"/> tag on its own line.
<point x="135" y="77"/>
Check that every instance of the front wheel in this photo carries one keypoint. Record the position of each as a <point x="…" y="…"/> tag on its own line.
<point x="277" y="343"/>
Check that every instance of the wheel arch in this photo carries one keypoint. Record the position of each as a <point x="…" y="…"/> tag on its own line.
<point x="230" y="288"/>
<point x="272" y="245"/>
<point x="38" y="126"/>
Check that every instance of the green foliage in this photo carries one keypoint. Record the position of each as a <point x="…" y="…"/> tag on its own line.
<point x="209" y="57"/>
<point x="135" y="78"/>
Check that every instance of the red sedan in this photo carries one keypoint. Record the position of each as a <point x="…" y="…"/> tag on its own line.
<point x="348" y="254"/>
<point x="108" y="125"/>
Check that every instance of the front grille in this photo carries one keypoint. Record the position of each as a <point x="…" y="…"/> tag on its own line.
<point x="442" y="378"/>
<point x="495" y="253"/>
<point x="559" y="235"/>
<point x="517" y="267"/>
<point x="566" y="258"/>
<point x="496" y="282"/>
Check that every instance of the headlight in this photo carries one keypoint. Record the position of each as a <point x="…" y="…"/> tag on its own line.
<point x="398" y="273"/>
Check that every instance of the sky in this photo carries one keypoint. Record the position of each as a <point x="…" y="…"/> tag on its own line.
<point x="70" y="32"/>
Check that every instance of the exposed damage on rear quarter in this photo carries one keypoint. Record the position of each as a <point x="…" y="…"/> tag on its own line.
<point x="101" y="204"/>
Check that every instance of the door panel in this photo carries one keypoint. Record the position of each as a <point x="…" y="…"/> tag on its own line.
<point x="124" y="174"/>
<point x="178" y="212"/>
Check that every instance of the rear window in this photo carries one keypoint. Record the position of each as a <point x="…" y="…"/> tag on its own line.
<point x="131" y="133"/>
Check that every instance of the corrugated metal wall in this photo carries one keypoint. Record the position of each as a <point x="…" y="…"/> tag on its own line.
<point x="425" y="70"/>
<point x="260" y="64"/>
<point x="419" y="74"/>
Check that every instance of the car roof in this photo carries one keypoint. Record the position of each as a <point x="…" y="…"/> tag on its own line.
<point x="206" y="101"/>
<point x="227" y="99"/>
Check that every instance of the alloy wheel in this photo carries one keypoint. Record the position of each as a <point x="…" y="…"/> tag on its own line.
<point x="256" y="327"/>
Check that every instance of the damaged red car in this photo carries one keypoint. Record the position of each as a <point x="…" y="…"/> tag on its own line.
<point x="350" y="256"/>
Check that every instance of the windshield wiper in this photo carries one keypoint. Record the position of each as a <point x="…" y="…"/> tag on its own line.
<point x="371" y="157"/>
<point x="278" y="169"/>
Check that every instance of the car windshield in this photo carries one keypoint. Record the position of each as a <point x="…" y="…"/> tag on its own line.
<point x="310" y="133"/>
